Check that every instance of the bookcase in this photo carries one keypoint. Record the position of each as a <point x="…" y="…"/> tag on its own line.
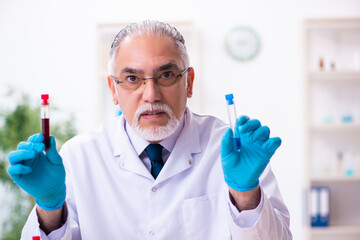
<point x="332" y="124"/>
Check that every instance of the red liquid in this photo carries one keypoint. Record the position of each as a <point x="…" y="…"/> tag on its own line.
<point x="45" y="127"/>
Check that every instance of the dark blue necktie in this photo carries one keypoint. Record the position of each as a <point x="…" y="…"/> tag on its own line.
<point x="154" y="151"/>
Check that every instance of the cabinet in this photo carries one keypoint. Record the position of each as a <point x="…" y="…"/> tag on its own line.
<point x="332" y="123"/>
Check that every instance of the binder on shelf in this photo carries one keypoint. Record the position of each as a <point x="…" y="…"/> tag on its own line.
<point x="320" y="206"/>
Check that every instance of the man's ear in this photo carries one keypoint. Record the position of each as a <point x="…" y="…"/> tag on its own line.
<point x="112" y="89"/>
<point x="190" y="82"/>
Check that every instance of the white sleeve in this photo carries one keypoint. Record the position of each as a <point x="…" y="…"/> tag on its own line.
<point x="246" y="218"/>
<point x="270" y="220"/>
<point x="32" y="228"/>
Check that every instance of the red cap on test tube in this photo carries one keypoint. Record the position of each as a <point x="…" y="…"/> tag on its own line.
<point x="44" y="98"/>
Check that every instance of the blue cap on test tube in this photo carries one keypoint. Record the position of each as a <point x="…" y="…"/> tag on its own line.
<point x="232" y="119"/>
<point x="229" y="98"/>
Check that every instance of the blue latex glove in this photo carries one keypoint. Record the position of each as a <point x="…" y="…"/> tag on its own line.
<point x="243" y="169"/>
<point x="39" y="173"/>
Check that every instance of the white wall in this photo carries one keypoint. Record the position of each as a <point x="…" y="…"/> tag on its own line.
<point x="48" y="46"/>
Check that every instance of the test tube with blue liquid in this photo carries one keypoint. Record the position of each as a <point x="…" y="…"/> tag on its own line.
<point x="232" y="119"/>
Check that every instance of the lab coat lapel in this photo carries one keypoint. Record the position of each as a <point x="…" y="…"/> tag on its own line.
<point x="181" y="157"/>
<point x="125" y="154"/>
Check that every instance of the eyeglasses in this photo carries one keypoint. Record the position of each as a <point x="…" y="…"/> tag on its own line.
<point x="164" y="78"/>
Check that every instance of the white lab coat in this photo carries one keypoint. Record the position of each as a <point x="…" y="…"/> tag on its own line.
<point x="111" y="194"/>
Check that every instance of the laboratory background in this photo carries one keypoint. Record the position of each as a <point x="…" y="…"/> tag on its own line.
<point x="295" y="65"/>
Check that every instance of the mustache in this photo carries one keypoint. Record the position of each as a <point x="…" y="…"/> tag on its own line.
<point x="153" y="107"/>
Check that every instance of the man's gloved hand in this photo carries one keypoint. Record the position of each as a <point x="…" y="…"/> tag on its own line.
<point x="40" y="174"/>
<point x="243" y="169"/>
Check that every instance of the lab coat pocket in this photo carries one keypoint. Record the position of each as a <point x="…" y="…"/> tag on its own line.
<point x="205" y="218"/>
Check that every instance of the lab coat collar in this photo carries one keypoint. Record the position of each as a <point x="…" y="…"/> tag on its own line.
<point x="188" y="143"/>
<point x="124" y="152"/>
<point x="180" y="159"/>
<point x="140" y="144"/>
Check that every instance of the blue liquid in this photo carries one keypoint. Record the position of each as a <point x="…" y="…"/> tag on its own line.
<point x="347" y="118"/>
<point x="237" y="144"/>
<point x="349" y="172"/>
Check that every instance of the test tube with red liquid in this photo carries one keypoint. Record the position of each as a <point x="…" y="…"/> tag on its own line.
<point x="45" y="119"/>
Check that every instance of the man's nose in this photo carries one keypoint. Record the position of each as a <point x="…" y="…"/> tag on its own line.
<point x="151" y="91"/>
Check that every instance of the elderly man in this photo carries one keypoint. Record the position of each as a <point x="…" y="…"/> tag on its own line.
<point x="158" y="171"/>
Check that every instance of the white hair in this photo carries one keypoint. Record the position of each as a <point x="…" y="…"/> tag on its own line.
<point x="147" y="27"/>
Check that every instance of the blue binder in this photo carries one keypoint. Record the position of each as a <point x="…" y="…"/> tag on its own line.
<point x="320" y="206"/>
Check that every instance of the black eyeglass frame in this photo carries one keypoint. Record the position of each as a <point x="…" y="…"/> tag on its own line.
<point x="154" y="78"/>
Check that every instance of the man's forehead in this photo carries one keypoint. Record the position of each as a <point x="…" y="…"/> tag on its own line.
<point x="148" y="44"/>
<point x="153" y="52"/>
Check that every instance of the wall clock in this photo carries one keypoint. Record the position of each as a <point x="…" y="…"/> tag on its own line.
<point x="242" y="43"/>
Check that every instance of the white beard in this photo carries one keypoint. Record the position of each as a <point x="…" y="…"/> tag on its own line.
<point x="158" y="133"/>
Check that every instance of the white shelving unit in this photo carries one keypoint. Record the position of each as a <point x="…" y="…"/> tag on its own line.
<point x="332" y="123"/>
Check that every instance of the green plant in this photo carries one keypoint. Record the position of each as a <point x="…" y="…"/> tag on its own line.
<point x="17" y="125"/>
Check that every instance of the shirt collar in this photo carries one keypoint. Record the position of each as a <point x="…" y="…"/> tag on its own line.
<point x="140" y="144"/>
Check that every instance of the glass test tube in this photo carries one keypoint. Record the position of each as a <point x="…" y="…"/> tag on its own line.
<point x="45" y="120"/>
<point x="232" y="119"/>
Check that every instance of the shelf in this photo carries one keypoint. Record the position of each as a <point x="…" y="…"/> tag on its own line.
<point x="335" y="76"/>
<point x="336" y="127"/>
<point x="331" y="93"/>
<point x="334" y="179"/>
<point x="332" y="230"/>
<point x="333" y="24"/>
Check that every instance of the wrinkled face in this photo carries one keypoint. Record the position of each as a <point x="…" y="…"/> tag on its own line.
<point x="149" y="56"/>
